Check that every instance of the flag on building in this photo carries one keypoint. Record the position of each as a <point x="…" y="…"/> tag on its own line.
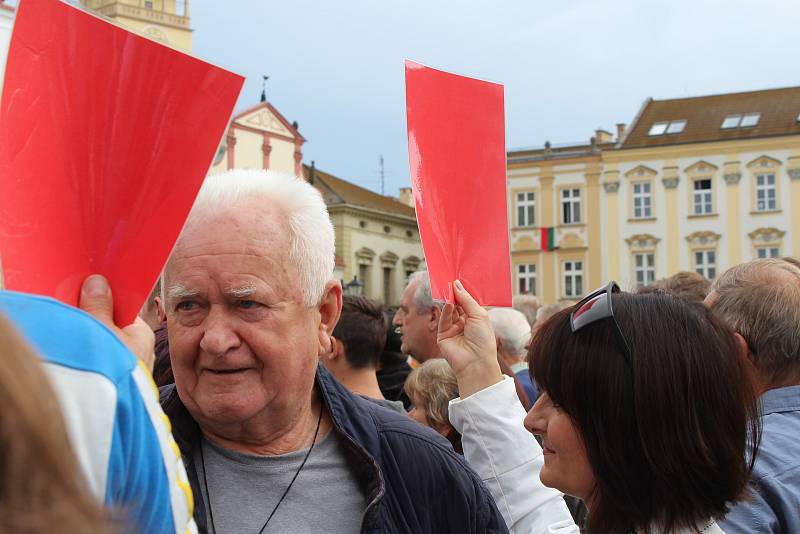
<point x="547" y="241"/>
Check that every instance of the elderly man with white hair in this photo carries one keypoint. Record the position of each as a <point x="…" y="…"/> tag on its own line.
<point x="271" y="442"/>
<point x="513" y="334"/>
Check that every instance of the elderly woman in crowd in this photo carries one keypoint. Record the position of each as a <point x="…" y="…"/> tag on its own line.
<point x="431" y="387"/>
<point x="646" y="414"/>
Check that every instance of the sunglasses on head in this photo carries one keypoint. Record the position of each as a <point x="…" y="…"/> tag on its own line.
<point x="596" y="306"/>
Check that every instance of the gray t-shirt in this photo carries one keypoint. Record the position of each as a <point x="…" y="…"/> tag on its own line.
<point x="395" y="406"/>
<point x="244" y="488"/>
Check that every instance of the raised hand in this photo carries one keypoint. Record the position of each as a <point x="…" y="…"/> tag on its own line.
<point x="96" y="300"/>
<point x="467" y="341"/>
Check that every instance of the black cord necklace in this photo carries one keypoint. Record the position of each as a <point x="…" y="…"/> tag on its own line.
<point x="261" y="530"/>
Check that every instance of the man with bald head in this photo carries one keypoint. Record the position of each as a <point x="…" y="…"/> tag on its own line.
<point x="760" y="300"/>
<point x="272" y="443"/>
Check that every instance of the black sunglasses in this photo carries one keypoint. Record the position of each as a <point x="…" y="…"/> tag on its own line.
<point x="597" y="307"/>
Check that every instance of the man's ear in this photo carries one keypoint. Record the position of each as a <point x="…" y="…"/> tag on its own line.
<point x="433" y="323"/>
<point x="162" y="314"/>
<point x="744" y="350"/>
<point x="330" y="308"/>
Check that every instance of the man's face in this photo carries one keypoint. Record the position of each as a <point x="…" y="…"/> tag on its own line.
<point x="243" y="343"/>
<point x="415" y="327"/>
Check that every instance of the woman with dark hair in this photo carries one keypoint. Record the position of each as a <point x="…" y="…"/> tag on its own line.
<point x="647" y="411"/>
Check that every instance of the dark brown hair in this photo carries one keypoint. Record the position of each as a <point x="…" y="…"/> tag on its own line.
<point x="42" y="487"/>
<point x="362" y="330"/>
<point x="667" y="435"/>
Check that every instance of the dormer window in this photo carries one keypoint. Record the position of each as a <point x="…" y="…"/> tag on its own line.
<point x="747" y="120"/>
<point x="667" y="127"/>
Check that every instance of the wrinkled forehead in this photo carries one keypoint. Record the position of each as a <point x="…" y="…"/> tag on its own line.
<point x="250" y="229"/>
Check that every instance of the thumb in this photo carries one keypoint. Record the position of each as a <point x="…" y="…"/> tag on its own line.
<point x="465" y="300"/>
<point x="96" y="299"/>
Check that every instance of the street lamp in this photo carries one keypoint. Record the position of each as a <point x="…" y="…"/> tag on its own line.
<point x="354" y="287"/>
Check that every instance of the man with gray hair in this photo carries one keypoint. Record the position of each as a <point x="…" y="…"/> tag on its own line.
<point x="271" y="442"/>
<point x="513" y="333"/>
<point x="418" y="318"/>
<point x="760" y="300"/>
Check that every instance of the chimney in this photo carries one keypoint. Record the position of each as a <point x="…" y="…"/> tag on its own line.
<point x="406" y="197"/>
<point x="620" y="130"/>
<point x="602" y="136"/>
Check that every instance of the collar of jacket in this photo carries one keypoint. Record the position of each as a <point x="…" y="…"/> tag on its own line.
<point x="360" y="439"/>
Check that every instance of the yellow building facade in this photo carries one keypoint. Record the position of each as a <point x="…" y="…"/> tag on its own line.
<point x="166" y="21"/>
<point x="693" y="184"/>
<point x="556" y="188"/>
<point x="701" y="184"/>
<point x="377" y="239"/>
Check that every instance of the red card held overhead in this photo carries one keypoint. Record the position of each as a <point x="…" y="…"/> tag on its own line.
<point x="457" y="155"/>
<point x="105" y="138"/>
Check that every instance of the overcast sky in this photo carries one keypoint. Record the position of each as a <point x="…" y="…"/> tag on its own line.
<point x="568" y="66"/>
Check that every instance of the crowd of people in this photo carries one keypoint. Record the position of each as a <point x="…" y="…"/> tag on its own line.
<point x="268" y="401"/>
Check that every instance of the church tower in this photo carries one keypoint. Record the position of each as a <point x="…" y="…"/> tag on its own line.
<point x="166" y="21"/>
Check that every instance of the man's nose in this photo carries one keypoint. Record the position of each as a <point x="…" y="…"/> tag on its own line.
<point x="219" y="335"/>
<point x="397" y="321"/>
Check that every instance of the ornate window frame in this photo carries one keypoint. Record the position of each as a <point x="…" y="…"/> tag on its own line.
<point x="641" y="174"/>
<point x="643" y="244"/>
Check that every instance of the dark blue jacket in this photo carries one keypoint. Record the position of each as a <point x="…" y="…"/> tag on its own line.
<point x="413" y="480"/>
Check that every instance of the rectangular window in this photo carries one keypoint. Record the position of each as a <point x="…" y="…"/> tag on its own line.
<point x="387" y="285"/>
<point x="702" y="197"/>
<point x="526" y="203"/>
<point x="526" y="279"/>
<point x="148" y="4"/>
<point x="766" y="193"/>
<point x="667" y="127"/>
<point x="573" y="279"/>
<point x="731" y="121"/>
<point x="767" y="252"/>
<point x="658" y="128"/>
<point x="363" y="277"/>
<point x="747" y="120"/>
<point x="676" y="127"/>
<point x="644" y="268"/>
<point x="705" y="263"/>
<point x="750" y="119"/>
<point x="642" y="200"/>
<point x="571" y="206"/>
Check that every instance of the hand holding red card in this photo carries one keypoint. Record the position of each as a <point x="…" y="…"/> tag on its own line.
<point x="105" y="138"/>
<point x="456" y="150"/>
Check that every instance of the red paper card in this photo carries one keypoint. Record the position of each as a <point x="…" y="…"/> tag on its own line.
<point x="105" y="138"/>
<point x="457" y="154"/>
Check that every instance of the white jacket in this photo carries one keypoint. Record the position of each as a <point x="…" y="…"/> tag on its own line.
<point x="508" y="459"/>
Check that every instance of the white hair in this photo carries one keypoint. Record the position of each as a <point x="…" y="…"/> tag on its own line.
<point x="511" y="328"/>
<point x="423" y="298"/>
<point x="311" y="234"/>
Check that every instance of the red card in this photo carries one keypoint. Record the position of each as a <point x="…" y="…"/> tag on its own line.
<point x="457" y="154"/>
<point x="105" y="138"/>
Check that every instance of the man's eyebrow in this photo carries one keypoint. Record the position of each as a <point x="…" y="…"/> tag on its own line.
<point x="239" y="292"/>
<point x="179" y="291"/>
